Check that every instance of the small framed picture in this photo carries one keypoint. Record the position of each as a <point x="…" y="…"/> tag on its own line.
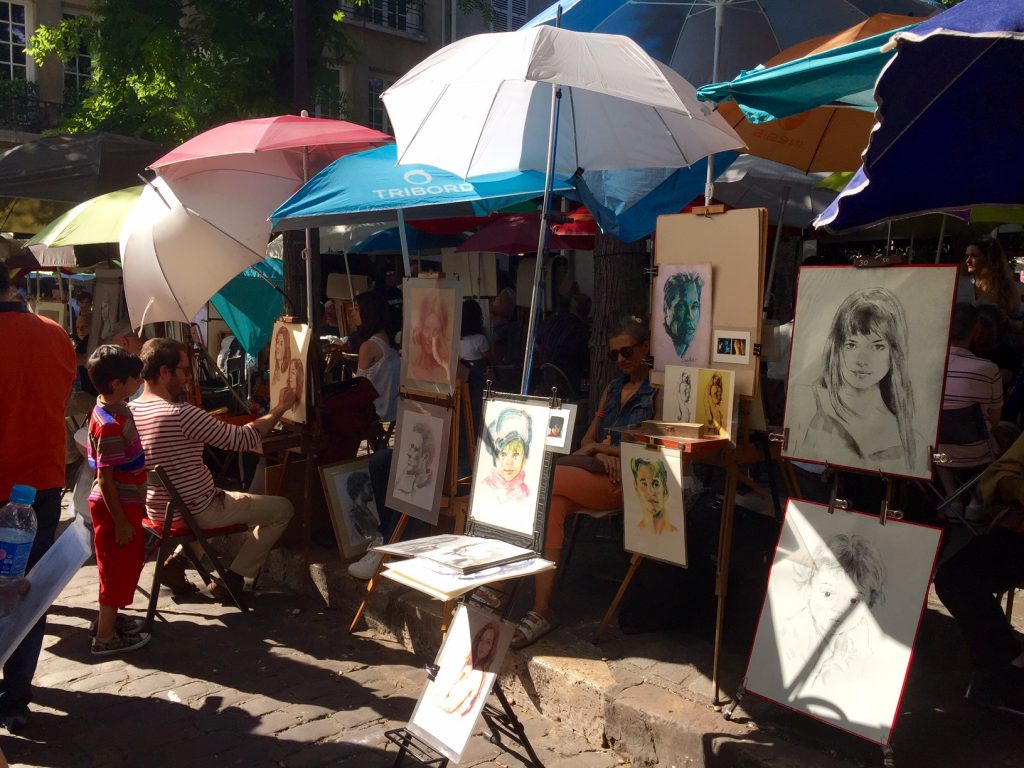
<point x="352" y="506"/>
<point x="730" y="347"/>
<point x="561" y="424"/>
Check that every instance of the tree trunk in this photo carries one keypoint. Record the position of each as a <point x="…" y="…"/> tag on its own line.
<point x="621" y="287"/>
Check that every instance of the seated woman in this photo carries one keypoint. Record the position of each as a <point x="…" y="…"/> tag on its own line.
<point x="378" y="359"/>
<point x="627" y="401"/>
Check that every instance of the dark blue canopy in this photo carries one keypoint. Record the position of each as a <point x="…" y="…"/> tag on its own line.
<point x="950" y="112"/>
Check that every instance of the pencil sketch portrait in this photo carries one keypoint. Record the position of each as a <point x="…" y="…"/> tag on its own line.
<point x="682" y="318"/>
<point x="844" y="601"/>
<point x="680" y="393"/>
<point x="416" y="479"/>
<point x="869" y="350"/>
<point x="432" y="314"/>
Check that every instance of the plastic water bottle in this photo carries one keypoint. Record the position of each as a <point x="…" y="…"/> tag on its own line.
<point x="17" y="532"/>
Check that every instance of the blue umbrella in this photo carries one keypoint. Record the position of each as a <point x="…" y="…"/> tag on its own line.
<point x="356" y="188"/>
<point x="389" y="240"/>
<point x="948" y="120"/>
<point x="249" y="305"/>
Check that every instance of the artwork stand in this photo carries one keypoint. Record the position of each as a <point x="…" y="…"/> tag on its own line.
<point x="459" y="404"/>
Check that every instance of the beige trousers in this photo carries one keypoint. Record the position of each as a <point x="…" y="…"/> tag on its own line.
<point x="266" y="516"/>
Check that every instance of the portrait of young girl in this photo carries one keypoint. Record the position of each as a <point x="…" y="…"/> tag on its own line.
<point x="867" y="395"/>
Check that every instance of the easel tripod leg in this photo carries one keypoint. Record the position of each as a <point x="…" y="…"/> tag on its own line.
<point x="634" y="563"/>
<point x="722" y="572"/>
<point x="372" y="583"/>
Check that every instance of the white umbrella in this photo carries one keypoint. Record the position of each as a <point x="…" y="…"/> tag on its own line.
<point x="175" y="258"/>
<point x="482" y="105"/>
<point x="487" y="104"/>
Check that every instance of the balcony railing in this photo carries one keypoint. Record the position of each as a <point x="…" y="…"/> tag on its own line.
<point x="19" y="112"/>
<point x="399" y="15"/>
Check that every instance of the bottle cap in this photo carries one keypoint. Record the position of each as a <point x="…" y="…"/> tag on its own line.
<point x="23" y="494"/>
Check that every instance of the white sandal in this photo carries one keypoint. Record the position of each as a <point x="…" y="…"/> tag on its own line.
<point x="531" y="628"/>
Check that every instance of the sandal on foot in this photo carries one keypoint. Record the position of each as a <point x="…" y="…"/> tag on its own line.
<point x="487" y="596"/>
<point x="531" y="628"/>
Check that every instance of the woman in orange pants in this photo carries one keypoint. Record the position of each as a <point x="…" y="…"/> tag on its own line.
<point x="595" y="480"/>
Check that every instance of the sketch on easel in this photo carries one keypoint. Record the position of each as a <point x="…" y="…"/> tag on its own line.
<point x="680" y="394"/>
<point x="844" y="602"/>
<point x="652" y="496"/>
<point x="289" y="351"/>
<point x="416" y="479"/>
<point x="469" y="660"/>
<point x="867" y="367"/>
<point x="681" y="324"/>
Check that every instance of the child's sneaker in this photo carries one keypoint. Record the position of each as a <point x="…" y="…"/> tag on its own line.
<point x="124" y="625"/>
<point x="119" y="643"/>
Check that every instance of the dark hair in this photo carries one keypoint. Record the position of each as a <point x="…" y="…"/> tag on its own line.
<point x="965" y="317"/>
<point x="110" y="363"/>
<point x="472" y="318"/>
<point x="157" y="353"/>
<point x="84" y="295"/>
<point x="373" y="315"/>
<point x="5" y="279"/>
<point x="631" y="326"/>
<point x="357" y="484"/>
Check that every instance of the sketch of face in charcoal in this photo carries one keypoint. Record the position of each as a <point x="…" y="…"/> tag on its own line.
<point x="865" y="391"/>
<point x="362" y="516"/>
<point x="417" y="473"/>
<point x="838" y="624"/>
<point x="682" y="309"/>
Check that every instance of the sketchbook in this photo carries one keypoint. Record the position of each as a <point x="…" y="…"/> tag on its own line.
<point x="465" y="554"/>
<point x="444" y="583"/>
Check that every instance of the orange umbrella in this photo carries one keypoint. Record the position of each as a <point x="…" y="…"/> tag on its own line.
<point x="824" y="139"/>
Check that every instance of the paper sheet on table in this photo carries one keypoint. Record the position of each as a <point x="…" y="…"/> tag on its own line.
<point x="48" y="578"/>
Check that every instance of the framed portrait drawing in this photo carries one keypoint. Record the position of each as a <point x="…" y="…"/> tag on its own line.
<point x="352" y="506"/>
<point x="867" y="367"/>
<point x="289" y="353"/>
<point x="837" y="628"/>
<point x="731" y="347"/>
<point x="561" y="425"/>
<point x="420" y="456"/>
<point x="469" y="660"/>
<point x="506" y="478"/>
<point x="653" y="523"/>
<point x="431" y="326"/>
<point x="681" y="325"/>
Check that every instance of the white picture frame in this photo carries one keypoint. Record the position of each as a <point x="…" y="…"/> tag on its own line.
<point x="840" y="616"/>
<point x="875" y="408"/>
<point x="419" y="460"/>
<point x="654" y="517"/>
<point x="729" y="347"/>
<point x="561" y="426"/>
<point x="470" y="658"/>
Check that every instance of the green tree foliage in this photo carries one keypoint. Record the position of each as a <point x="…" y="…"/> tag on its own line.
<point x="168" y="69"/>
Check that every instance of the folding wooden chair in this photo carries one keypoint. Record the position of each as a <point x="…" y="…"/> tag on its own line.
<point x="164" y="539"/>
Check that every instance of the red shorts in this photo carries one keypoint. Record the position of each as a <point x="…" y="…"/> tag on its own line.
<point x="119" y="566"/>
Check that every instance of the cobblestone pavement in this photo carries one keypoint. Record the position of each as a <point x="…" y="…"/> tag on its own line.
<point x="284" y="685"/>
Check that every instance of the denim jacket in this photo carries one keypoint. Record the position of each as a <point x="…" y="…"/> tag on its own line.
<point x="637" y="409"/>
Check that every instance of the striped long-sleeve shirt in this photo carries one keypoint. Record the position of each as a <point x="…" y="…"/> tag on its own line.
<point x="173" y="436"/>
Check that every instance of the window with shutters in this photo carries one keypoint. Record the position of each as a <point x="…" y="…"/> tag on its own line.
<point x="400" y="15"/>
<point x="77" y="72"/>
<point x="509" y="15"/>
<point x="376" y="116"/>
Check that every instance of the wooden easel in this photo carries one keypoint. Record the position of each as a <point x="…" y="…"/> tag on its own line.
<point x="462" y="413"/>
<point x="719" y="452"/>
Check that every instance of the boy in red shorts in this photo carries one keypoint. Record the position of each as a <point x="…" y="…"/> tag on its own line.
<point x="118" y="496"/>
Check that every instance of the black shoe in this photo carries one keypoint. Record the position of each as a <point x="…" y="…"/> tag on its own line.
<point x="1002" y="690"/>
<point x="219" y="590"/>
<point x="16" y="720"/>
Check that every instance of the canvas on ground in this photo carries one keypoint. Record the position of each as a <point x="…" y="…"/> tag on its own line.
<point x="837" y="628"/>
<point x="652" y="498"/>
<point x="470" y="658"/>
<point x="289" y="351"/>
<point x="431" y="324"/>
<point x="682" y="315"/>
<point x="419" y="459"/>
<point x="509" y="459"/>
<point x="867" y="366"/>
<point x="352" y="505"/>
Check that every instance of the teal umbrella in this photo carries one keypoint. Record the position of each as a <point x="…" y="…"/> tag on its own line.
<point x="249" y="305"/>
<point x="843" y="76"/>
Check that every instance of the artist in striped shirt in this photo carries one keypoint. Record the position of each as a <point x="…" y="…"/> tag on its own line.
<point x="173" y="435"/>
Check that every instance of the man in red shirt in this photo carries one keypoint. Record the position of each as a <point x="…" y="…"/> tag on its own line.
<point x="34" y="389"/>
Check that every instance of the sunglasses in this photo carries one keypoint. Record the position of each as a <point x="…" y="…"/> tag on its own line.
<point x="624" y="352"/>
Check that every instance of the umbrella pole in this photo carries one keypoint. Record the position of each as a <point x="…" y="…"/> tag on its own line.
<point x="348" y="274"/>
<point x="404" y="240"/>
<point x="709" y="184"/>
<point x="942" y="235"/>
<point x="310" y="314"/>
<point x="542" y="237"/>
<point x="775" y="249"/>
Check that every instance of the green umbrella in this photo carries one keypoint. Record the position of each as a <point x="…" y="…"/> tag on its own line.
<point x="95" y="221"/>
